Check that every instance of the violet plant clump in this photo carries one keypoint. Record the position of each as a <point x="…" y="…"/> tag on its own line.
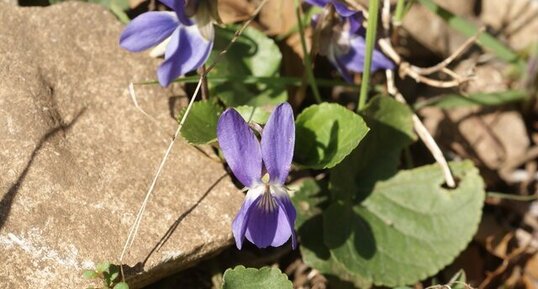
<point x="267" y="216"/>
<point x="342" y="39"/>
<point x="359" y="216"/>
<point x="188" y="31"/>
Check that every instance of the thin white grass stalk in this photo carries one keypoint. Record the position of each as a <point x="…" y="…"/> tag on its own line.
<point x="423" y="133"/>
<point x="136" y="225"/>
<point x="135" y="102"/>
<point x="132" y="93"/>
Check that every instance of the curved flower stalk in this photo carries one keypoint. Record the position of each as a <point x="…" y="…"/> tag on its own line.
<point x="343" y="40"/>
<point x="267" y="216"/>
<point x="188" y="32"/>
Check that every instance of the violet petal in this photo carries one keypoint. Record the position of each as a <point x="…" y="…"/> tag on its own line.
<point x="278" y="140"/>
<point x="186" y="51"/>
<point x="342" y="8"/>
<point x="179" y="7"/>
<point x="354" y="59"/>
<point x="284" y="202"/>
<point x="267" y="228"/>
<point x="355" y="24"/>
<point x="320" y="3"/>
<point x="240" y="147"/>
<point x="239" y="225"/>
<point x="148" y="30"/>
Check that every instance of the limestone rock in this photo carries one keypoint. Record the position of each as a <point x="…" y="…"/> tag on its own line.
<point x="76" y="157"/>
<point x="12" y="2"/>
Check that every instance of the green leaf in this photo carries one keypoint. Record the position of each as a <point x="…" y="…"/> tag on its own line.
<point x="251" y="278"/>
<point x="326" y="134"/>
<point x="90" y="274"/>
<point x="102" y="267"/>
<point x="254" y="54"/>
<point x="476" y="99"/>
<point x="200" y="127"/>
<point x="113" y="276"/>
<point x="409" y="227"/>
<point x="383" y="227"/>
<point x="121" y="285"/>
<point x="468" y="29"/>
<point x="255" y="114"/>
<point x="309" y="200"/>
<point x="378" y="155"/>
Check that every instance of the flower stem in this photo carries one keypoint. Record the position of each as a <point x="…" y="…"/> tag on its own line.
<point x="399" y="12"/>
<point x="373" y="11"/>
<point x="307" y="59"/>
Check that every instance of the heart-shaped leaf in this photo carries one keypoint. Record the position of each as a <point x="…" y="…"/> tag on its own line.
<point x="200" y="127"/>
<point x="378" y="155"/>
<point x="254" y="54"/>
<point x="309" y="200"/>
<point x="409" y="227"/>
<point x="252" y="278"/>
<point x="326" y="134"/>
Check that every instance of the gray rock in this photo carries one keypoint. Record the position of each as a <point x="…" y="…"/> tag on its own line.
<point x="76" y="157"/>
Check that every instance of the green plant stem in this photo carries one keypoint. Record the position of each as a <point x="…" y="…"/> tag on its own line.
<point x="307" y="59"/>
<point x="373" y="12"/>
<point x="399" y="12"/>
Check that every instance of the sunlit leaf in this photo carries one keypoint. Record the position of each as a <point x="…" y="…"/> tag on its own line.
<point x="255" y="114"/>
<point x="252" y="278"/>
<point x="326" y="134"/>
<point x="409" y="227"/>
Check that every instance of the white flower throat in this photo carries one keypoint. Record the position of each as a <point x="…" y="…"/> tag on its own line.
<point x="267" y="201"/>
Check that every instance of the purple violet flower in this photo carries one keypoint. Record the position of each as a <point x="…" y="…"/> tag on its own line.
<point x="189" y="44"/>
<point x="343" y="42"/>
<point x="267" y="216"/>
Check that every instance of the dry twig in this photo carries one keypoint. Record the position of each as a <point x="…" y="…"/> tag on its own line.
<point x="419" y="127"/>
<point x="420" y="74"/>
<point x="423" y="133"/>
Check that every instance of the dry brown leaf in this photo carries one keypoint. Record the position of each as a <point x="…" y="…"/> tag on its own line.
<point x="432" y="32"/>
<point x="278" y="17"/>
<point x="232" y="11"/>
<point x="490" y="137"/>
<point x="531" y="269"/>
<point x="517" y="20"/>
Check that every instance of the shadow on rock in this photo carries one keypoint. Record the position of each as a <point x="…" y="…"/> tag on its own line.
<point x="178" y="221"/>
<point x="9" y="196"/>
